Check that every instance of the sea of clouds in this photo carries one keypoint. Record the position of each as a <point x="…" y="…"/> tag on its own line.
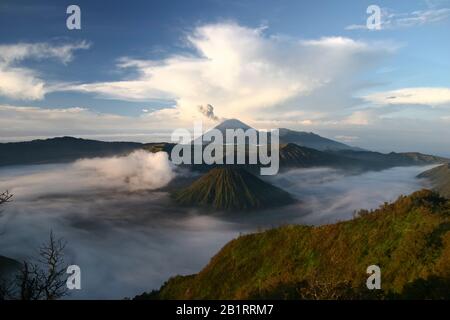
<point x="124" y="231"/>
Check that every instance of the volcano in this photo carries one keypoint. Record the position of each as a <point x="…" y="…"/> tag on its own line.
<point x="232" y="188"/>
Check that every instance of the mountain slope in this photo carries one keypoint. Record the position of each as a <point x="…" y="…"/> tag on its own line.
<point x="61" y="149"/>
<point x="295" y="156"/>
<point x="304" y="139"/>
<point x="312" y="140"/>
<point x="409" y="239"/>
<point x="8" y="266"/>
<point x="232" y="188"/>
<point x="377" y="160"/>
<point x="232" y="124"/>
<point x="439" y="178"/>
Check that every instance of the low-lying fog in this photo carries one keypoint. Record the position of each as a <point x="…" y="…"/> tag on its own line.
<point x="127" y="235"/>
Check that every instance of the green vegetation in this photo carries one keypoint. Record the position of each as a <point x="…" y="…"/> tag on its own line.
<point x="232" y="188"/>
<point x="409" y="239"/>
<point x="439" y="178"/>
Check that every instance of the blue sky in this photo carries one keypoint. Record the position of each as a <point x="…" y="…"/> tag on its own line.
<point x="138" y="69"/>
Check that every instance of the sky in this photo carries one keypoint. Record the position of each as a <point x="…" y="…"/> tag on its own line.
<point x="138" y="70"/>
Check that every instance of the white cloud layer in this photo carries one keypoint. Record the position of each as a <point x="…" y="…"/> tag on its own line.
<point x="243" y="72"/>
<point x="393" y="20"/>
<point x="410" y="96"/>
<point x="22" y="83"/>
<point x="25" y="123"/>
<point x="138" y="171"/>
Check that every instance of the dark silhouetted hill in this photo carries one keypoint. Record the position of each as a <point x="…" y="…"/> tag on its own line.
<point x="61" y="149"/>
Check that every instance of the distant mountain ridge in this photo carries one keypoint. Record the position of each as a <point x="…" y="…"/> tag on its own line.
<point x="439" y="178"/>
<point x="312" y="140"/>
<point x="295" y="156"/>
<point x="60" y="149"/>
<point x="297" y="150"/>
<point x="303" y="139"/>
<point x="377" y="160"/>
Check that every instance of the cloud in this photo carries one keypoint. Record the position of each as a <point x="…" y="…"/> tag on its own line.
<point x="21" y="51"/>
<point x="433" y="4"/>
<point x="418" y="18"/>
<point x="242" y="71"/>
<point x="21" y="83"/>
<point x="356" y="27"/>
<point x="330" y="195"/>
<point x="129" y="242"/>
<point x="140" y="170"/>
<point x="359" y="118"/>
<point x="25" y="122"/>
<point x="24" y="83"/>
<point x="393" y="20"/>
<point x="208" y="111"/>
<point x="346" y="138"/>
<point x="411" y="96"/>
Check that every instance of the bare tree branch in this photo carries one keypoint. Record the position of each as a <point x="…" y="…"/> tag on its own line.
<point x="43" y="279"/>
<point x="52" y="257"/>
<point x="5" y="197"/>
<point x="6" y="289"/>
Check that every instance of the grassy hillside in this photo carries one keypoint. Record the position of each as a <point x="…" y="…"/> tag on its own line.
<point x="232" y="188"/>
<point x="439" y="178"/>
<point x="409" y="239"/>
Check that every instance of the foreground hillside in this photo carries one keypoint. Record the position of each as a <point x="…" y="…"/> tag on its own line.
<point x="439" y="178"/>
<point x="409" y="239"/>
